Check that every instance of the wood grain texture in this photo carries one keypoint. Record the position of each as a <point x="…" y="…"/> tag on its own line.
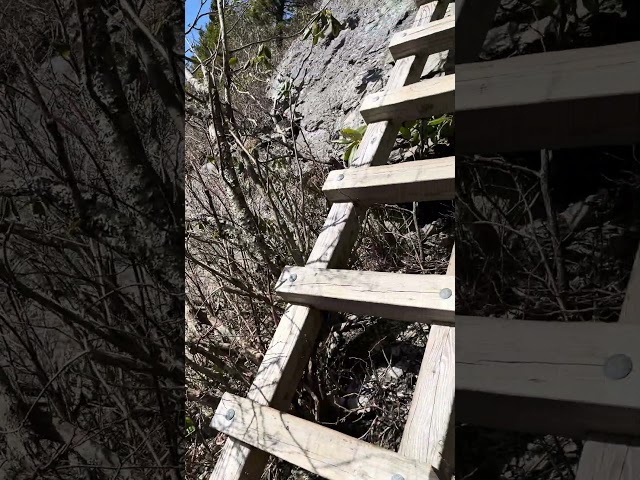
<point x="435" y="96"/>
<point x="276" y="386"/>
<point x="396" y="296"/>
<point x="546" y="377"/>
<point x="432" y="38"/>
<point x="616" y="459"/>
<point x="319" y="450"/>
<point x="418" y="181"/>
<point x="610" y="459"/>
<point x="571" y="98"/>
<point x="431" y="413"/>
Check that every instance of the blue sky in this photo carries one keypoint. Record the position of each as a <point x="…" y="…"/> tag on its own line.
<point x="191" y="11"/>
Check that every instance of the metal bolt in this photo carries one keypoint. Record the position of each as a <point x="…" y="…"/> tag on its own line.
<point x="230" y="414"/>
<point x="340" y="177"/>
<point x="397" y="476"/>
<point x="293" y="277"/>
<point x="445" y="293"/>
<point x="618" y="366"/>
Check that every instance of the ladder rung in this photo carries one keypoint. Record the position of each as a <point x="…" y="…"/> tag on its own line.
<point x="565" y="99"/>
<point x="435" y="96"/>
<point x="396" y="296"/>
<point x="419" y="181"/>
<point x="432" y="38"/>
<point x="317" y="449"/>
<point x="548" y="377"/>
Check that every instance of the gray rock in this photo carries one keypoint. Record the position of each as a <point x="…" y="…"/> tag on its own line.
<point x="537" y="31"/>
<point x="394" y="373"/>
<point x="500" y="41"/>
<point x="336" y="74"/>
<point x="389" y="375"/>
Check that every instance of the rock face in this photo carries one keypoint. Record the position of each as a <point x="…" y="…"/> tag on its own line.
<point x="337" y="73"/>
<point x="334" y="76"/>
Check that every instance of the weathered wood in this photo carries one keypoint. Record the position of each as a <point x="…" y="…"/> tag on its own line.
<point x="630" y="312"/>
<point x="435" y="96"/>
<point x="546" y="377"/>
<point x="571" y="98"/>
<point x="277" y="380"/>
<point x="396" y="296"/>
<point x="611" y="458"/>
<point x="432" y="38"/>
<point x="431" y="414"/>
<point x="417" y="181"/>
<point x="317" y="449"/>
<point x="608" y="459"/>
<point x="473" y="21"/>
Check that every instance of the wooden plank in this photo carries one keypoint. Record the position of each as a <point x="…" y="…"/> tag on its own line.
<point x="317" y="449"/>
<point x="571" y="98"/>
<point x="630" y="312"/>
<point x="546" y="377"/>
<point x="435" y="96"/>
<point x="612" y="458"/>
<point x="395" y="296"/>
<point x="473" y="21"/>
<point x="418" y="181"/>
<point x="430" y="422"/>
<point x="288" y="353"/>
<point x="432" y="38"/>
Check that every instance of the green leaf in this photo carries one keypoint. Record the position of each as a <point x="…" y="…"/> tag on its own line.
<point x="336" y="27"/>
<point x="349" y="153"/>
<point x="307" y="33"/>
<point x="351" y="134"/>
<point x="437" y="121"/>
<point x="405" y="132"/>
<point x="233" y="61"/>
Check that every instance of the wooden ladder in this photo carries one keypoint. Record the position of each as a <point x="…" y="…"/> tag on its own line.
<point x="257" y="425"/>
<point x="580" y="380"/>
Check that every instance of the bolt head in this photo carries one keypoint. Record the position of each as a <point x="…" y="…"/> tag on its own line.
<point x="341" y="177"/>
<point x="293" y="277"/>
<point x="230" y="414"/>
<point x="445" y="293"/>
<point x="397" y="476"/>
<point x="618" y="366"/>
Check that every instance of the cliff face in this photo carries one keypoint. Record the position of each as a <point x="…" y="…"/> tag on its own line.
<point x="337" y="73"/>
